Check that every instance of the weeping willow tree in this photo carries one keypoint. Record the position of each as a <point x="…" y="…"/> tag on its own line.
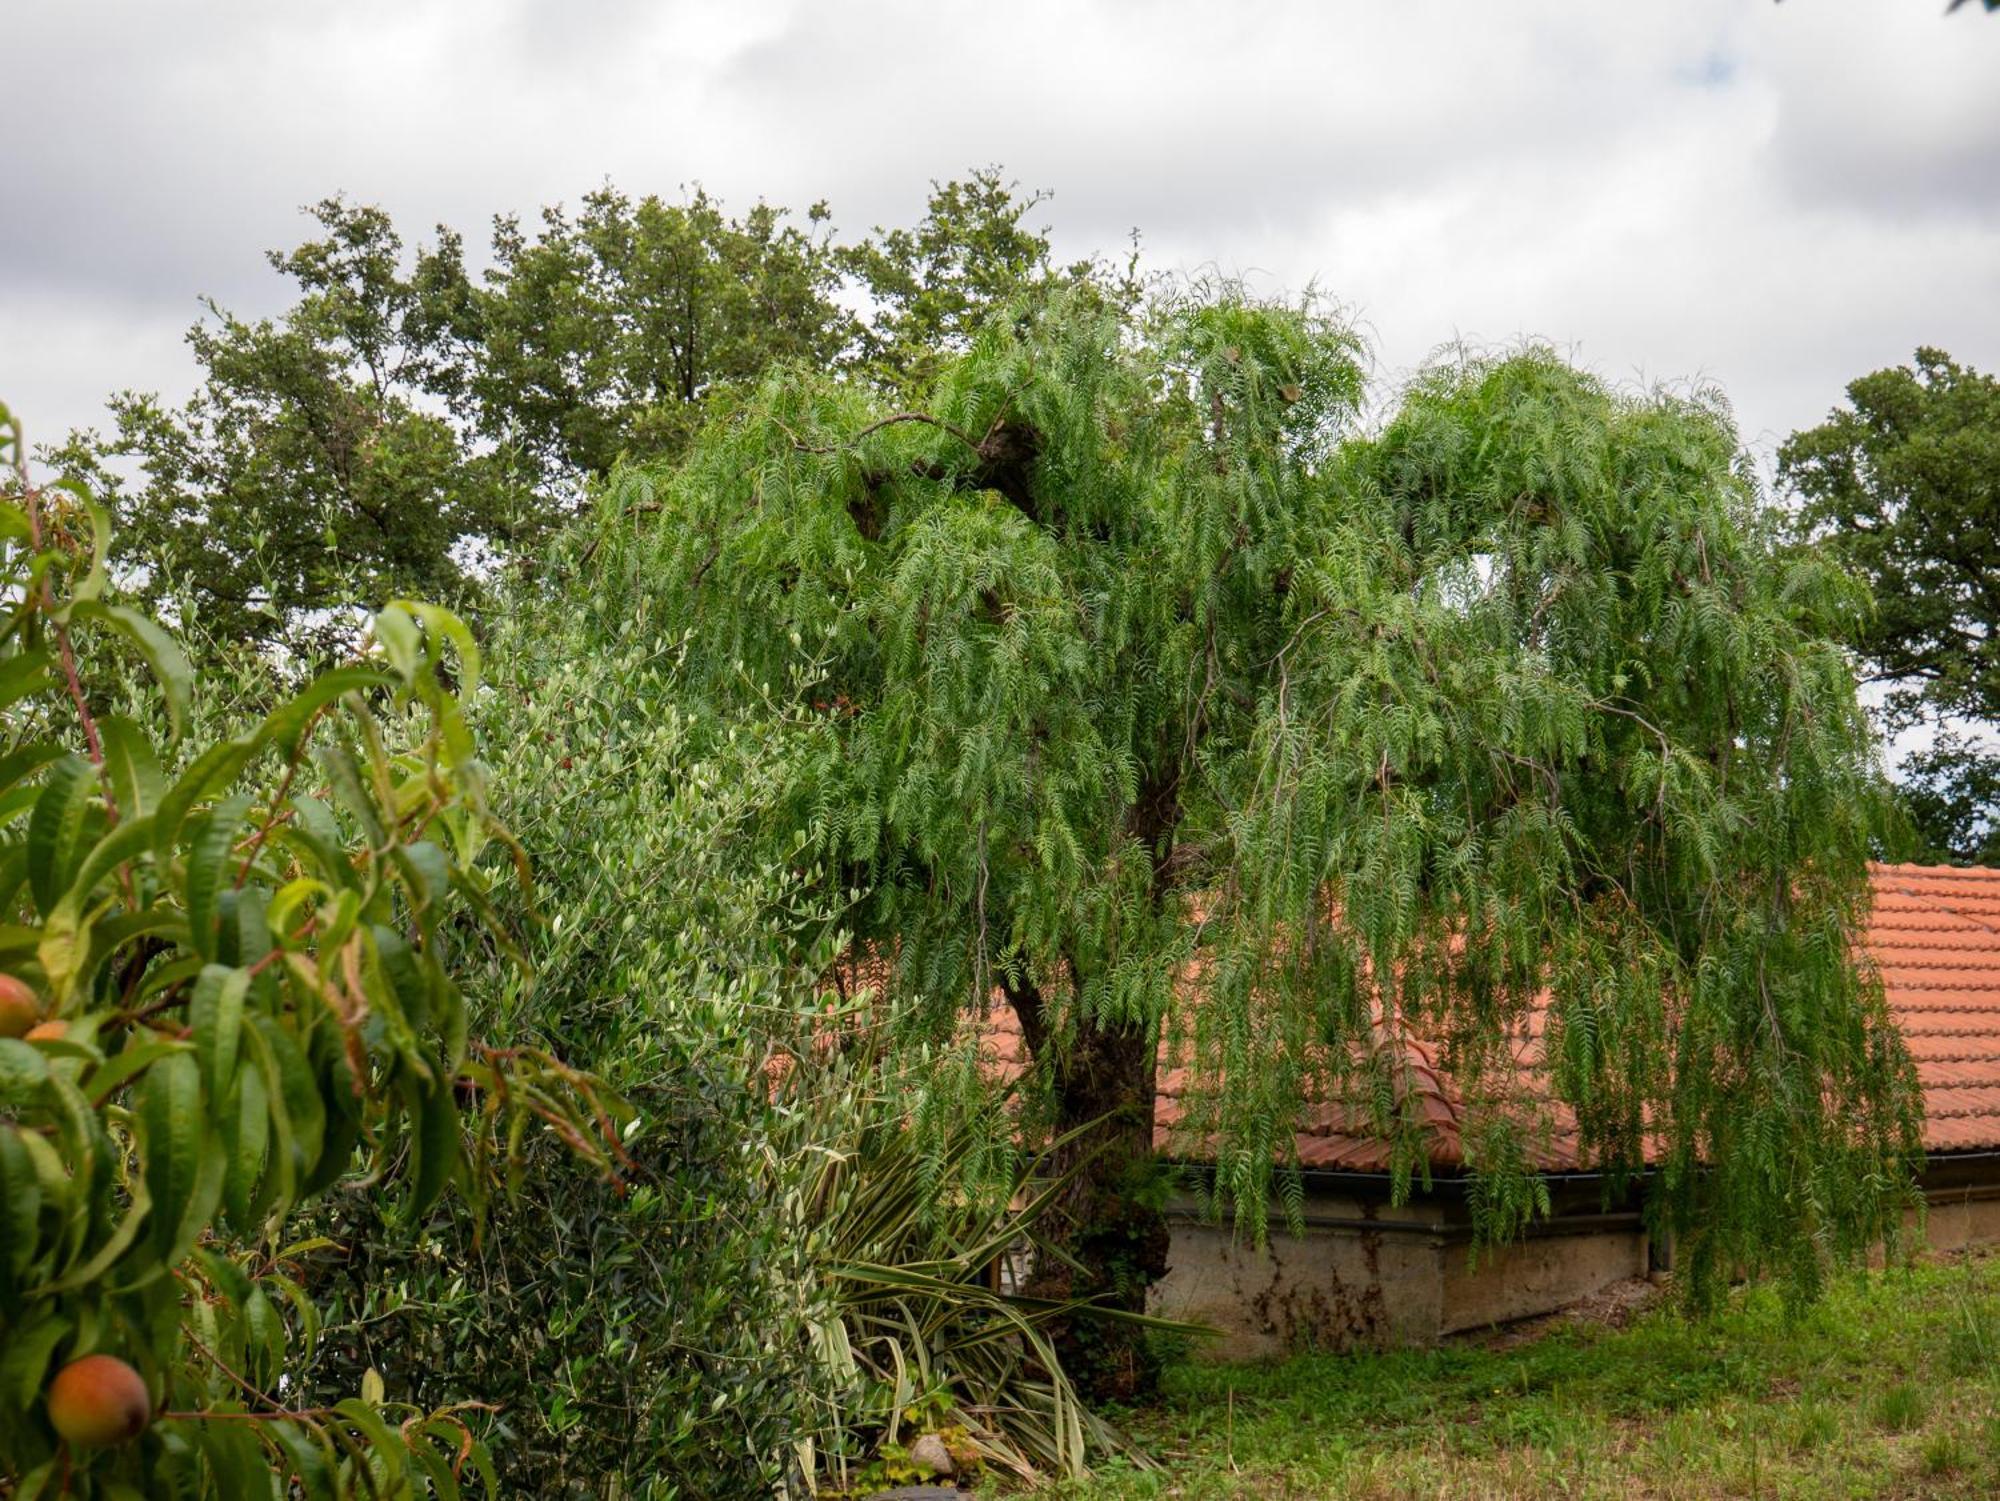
<point x="1129" y="657"/>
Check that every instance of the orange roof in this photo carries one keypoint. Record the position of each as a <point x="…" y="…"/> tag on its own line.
<point x="1934" y="931"/>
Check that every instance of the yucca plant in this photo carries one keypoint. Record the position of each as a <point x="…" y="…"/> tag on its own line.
<point x="918" y="1324"/>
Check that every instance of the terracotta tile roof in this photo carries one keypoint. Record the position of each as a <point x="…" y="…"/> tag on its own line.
<point x="1934" y="931"/>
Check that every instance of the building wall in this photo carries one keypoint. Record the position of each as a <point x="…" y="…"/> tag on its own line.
<point x="1363" y="1275"/>
<point x="1955" y="1221"/>
<point x="1544" y="1272"/>
<point x="1962" y="1201"/>
<point x="1368" y="1275"/>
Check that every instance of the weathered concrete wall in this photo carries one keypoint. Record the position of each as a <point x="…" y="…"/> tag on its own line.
<point x="1363" y="1275"/>
<point x="1955" y="1219"/>
<point x="1537" y="1275"/>
<point x="1368" y="1275"/>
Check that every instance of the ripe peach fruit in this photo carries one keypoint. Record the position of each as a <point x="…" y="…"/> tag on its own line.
<point x="48" y="1031"/>
<point x="20" y="1008"/>
<point x="99" y="1400"/>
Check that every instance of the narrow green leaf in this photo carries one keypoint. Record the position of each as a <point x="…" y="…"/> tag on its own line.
<point x="110" y="1076"/>
<point x="127" y="841"/>
<point x="212" y="770"/>
<point x="24" y="674"/>
<point x="236" y="1466"/>
<point x="438" y="1144"/>
<point x="91" y="585"/>
<point x="163" y="655"/>
<point x="264" y="1337"/>
<point x="18" y="801"/>
<point x="284" y="725"/>
<point x="440" y="626"/>
<point x="23" y="1072"/>
<point x="24" y="761"/>
<point x="369" y="1421"/>
<point x="401" y="642"/>
<point x="170" y="1122"/>
<point x="246" y="938"/>
<point x="444" y="1487"/>
<point x="309" y="1463"/>
<point x="24" y="1358"/>
<point x="297" y="1113"/>
<point x="349" y="789"/>
<point x="409" y="979"/>
<point x="55" y="828"/>
<point x="20" y="1213"/>
<point x="211" y="868"/>
<point x="215" y="1013"/>
<point x="131" y="766"/>
<point x="245" y="1130"/>
<point x="112" y="1248"/>
<point x="62" y="950"/>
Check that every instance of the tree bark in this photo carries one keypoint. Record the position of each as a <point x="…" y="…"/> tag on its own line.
<point x="1109" y="1218"/>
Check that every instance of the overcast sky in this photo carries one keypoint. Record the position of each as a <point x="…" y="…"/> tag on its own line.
<point x="1773" y="197"/>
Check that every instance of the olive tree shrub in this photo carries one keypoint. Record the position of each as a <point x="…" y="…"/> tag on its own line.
<point x="655" y="1337"/>
<point x="790" y="1289"/>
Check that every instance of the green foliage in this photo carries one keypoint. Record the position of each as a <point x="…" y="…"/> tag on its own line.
<point x="987" y="614"/>
<point x="404" y="426"/>
<point x="931" y="286"/>
<point x="1900" y="486"/>
<point x="921" y="1327"/>
<point x="609" y="333"/>
<point x="310" y="473"/>
<point x="1004" y="620"/>
<point x="1122" y="651"/>
<point x="1901" y="1408"/>
<point x="240" y="953"/>
<point x="1948" y="791"/>
<point x="1559" y="722"/>
<point x="653" y="1339"/>
<point x="773" y="1292"/>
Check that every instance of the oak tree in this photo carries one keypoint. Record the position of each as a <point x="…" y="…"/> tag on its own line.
<point x="310" y="474"/>
<point x="1902" y="485"/>
<point x="408" y="423"/>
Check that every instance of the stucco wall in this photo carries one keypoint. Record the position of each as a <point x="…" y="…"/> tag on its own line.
<point x="1542" y="1273"/>
<point x="1362" y="1275"/>
<point x="1368" y="1275"/>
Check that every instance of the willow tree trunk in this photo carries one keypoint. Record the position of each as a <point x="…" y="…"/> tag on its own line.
<point x="1108" y="1219"/>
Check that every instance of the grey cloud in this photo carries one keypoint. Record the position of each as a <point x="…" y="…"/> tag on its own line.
<point x="1769" y="194"/>
<point x="1879" y="118"/>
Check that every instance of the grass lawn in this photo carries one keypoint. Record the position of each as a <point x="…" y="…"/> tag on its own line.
<point x="1890" y="1387"/>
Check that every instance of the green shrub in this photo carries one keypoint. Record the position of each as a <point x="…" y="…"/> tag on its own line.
<point x="652" y="1341"/>
<point x="917" y="1245"/>
<point x="739" y="1316"/>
